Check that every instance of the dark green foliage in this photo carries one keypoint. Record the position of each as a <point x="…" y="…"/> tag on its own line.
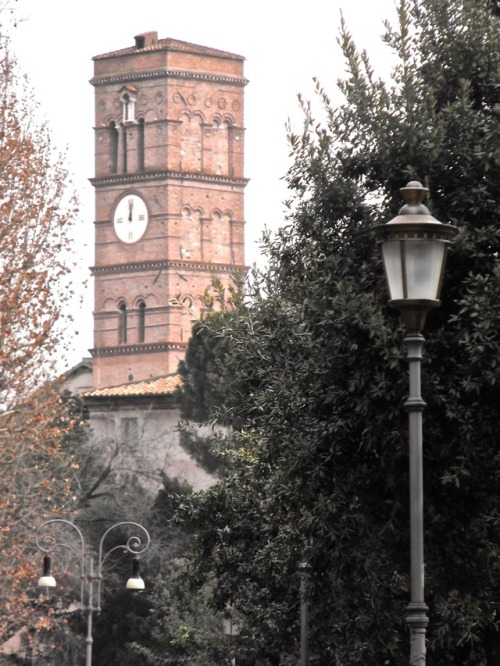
<point x="181" y="627"/>
<point x="203" y="370"/>
<point x="172" y="540"/>
<point x="123" y="621"/>
<point x="314" y="376"/>
<point x="204" y="448"/>
<point x="201" y="390"/>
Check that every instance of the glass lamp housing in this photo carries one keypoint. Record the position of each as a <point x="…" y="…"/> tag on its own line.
<point x="46" y="579"/>
<point x="414" y="247"/>
<point x="135" y="581"/>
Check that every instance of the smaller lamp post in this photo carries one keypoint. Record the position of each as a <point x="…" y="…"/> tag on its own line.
<point x="304" y="573"/>
<point x="414" y="247"/>
<point x="90" y="591"/>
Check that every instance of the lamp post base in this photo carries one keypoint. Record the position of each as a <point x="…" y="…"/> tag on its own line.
<point x="417" y="620"/>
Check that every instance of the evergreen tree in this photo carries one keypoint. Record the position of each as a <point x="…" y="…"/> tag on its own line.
<point x="315" y="375"/>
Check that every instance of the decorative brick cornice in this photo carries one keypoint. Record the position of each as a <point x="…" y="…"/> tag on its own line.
<point x="121" y="178"/>
<point x="171" y="73"/>
<point x="124" y="350"/>
<point x="160" y="265"/>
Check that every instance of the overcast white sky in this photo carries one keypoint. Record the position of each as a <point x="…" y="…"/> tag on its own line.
<point x="285" y="42"/>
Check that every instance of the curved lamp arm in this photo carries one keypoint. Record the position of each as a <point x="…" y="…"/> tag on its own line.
<point x="47" y="542"/>
<point x="136" y="544"/>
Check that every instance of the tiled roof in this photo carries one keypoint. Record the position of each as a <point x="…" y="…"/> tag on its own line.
<point x="156" y="386"/>
<point x="84" y="364"/>
<point x="169" y="44"/>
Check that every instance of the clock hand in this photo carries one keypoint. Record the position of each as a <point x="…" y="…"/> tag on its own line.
<point x="130" y="209"/>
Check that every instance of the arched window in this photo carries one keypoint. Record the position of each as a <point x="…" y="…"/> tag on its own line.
<point x="122" y="324"/>
<point x="113" y="146"/>
<point x="191" y="239"/>
<point x="191" y="143"/>
<point x="140" y="146"/>
<point x="141" y="322"/>
<point x="124" y="148"/>
<point x="128" y="107"/>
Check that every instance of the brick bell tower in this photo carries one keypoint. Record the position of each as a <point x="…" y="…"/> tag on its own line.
<point x="169" y="184"/>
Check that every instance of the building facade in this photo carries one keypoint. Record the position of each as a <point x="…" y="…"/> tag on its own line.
<point x="169" y="217"/>
<point x="169" y="195"/>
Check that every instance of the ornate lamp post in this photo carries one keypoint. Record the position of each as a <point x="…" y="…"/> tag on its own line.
<point x="414" y="248"/>
<point x="47" y="540"/>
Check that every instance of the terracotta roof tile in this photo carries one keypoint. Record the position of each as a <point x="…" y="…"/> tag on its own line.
<point x="156" y="386"/>
<point x="169" y="44"/>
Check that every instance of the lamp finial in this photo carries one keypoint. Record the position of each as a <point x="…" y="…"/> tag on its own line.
<point x="414" y="194"/>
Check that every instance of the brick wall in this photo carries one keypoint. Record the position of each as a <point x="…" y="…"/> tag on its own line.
<point x="168" y="128"/>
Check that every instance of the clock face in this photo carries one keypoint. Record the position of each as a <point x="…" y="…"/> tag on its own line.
<point x="131" y="218"/>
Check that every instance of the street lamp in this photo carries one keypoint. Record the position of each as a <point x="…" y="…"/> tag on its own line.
<point x="414" y="248"/>
<point x="136" y="543"/>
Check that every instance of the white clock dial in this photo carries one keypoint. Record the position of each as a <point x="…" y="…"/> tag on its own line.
<point x="131" y="218"/>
